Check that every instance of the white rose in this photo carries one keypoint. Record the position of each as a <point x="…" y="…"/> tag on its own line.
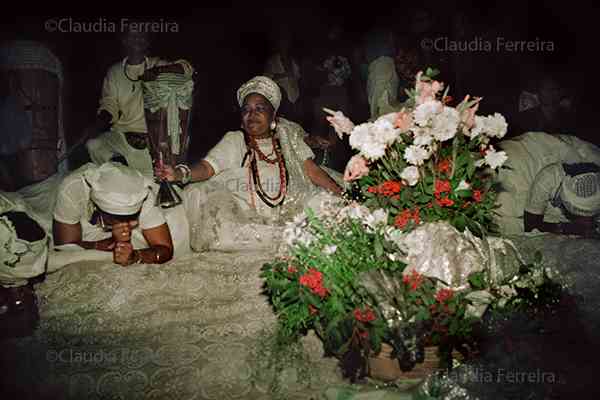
<point x="495" y="158"/>
<point x="416" y="155"/>
<point x="445" y="124"/>
<point x="424" y="112"/>
<point x="410" y="175"/>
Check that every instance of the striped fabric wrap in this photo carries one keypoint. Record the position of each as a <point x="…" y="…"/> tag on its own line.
<point x="172" y="92"/>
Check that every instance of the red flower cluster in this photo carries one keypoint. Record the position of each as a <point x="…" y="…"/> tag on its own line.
<point x="444" y="295"/>
<point x="444" y="202"/>
<point x="314" y="281"/>
<point x="387" y="188"/>
<point x="444" y="166"/>
<point x="442" y="186"/>
<point x="477" y="195"/>
<point x="414" y="280"/>
<point x="405" y="216"/>
<point x="291" y="269"/>
<point x="367" y="316"/>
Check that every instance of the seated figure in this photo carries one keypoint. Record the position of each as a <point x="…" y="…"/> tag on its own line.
<point x="528" y="154"/>
<point x="121" y="121"/>
<point x="257" y="177"/>
<point x="565" y="199"/>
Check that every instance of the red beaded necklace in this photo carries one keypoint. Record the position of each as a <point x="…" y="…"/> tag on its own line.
<point x="253" y="150"/>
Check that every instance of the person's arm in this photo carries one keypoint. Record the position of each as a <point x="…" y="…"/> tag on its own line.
<point x="71" y="234"/>
<point x="320" y="178"/>
<point x="109" y="107"/>
<point x="201" y="171"/>
<point x="581" y="227"/>
<point x="66" y="226"/>
<point x="162" y="66"/>
<point x="536" y="221"/>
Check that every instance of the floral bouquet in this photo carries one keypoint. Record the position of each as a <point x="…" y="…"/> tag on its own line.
<point x="411" y="265"/>
<point x="428" y="162"/>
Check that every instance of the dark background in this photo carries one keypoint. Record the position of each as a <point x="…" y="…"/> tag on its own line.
<point x="228" y="45"/>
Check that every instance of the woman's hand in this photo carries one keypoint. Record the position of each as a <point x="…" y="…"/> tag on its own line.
<point x="123" y="254"/>
<point x="167" y="172"/>
<point x="121" y="232"/>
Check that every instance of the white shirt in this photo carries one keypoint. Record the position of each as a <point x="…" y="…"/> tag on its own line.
<point x="122" y="93"/>
<point x="73" y="205"/>
<point x="544" y="196"/>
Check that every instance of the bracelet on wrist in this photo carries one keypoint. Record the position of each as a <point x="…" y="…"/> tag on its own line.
<point x="186" y="173"/>
<point x="137" y="257"/>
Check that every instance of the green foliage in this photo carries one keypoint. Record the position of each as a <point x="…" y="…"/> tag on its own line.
<point x="343" y="273"/>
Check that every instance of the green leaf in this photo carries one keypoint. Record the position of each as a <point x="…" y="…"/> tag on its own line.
<point x="459" y="222"/>
<point x="477" y="280"/>
<point x="378" y="247"/>
<point x="464" y="193"/>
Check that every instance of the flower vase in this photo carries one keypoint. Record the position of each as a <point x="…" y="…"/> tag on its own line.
<point x="384" y="368"/>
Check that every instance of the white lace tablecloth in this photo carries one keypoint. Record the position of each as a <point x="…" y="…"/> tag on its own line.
<point x="195" y="328"/>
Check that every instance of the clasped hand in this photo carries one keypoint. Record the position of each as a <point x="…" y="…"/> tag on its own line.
<point x="123" y="253"/>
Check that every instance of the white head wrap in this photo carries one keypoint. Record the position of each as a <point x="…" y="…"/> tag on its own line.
<point x="262" y="85"/>
<point x="116" y="188"/>
<point x="580" y="194"/>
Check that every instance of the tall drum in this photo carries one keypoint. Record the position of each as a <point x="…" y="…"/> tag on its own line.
<point x="168" y="104"/>
<point x="33" y="136"/>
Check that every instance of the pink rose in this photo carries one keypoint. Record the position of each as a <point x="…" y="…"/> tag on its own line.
<point x="468" y="116"/>
<point x="340" y="122"/>
<point x="427" y="91"/>
<point x="403" y="121"/>
<point x="356" y="168"/>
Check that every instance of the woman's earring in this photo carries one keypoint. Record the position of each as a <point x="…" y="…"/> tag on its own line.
<point x="273" y="125"/>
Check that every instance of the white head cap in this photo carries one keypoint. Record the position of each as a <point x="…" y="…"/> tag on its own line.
<point x="580" y="194"/>
<point x="116" y="188"/>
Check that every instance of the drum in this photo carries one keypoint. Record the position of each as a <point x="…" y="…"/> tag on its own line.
<point x="168" y="111"/>
<point x="36" y="92"/>
<point x="31" y="111"/>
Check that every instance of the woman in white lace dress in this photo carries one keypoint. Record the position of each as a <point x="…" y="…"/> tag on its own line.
<point x="254" y="179"/>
